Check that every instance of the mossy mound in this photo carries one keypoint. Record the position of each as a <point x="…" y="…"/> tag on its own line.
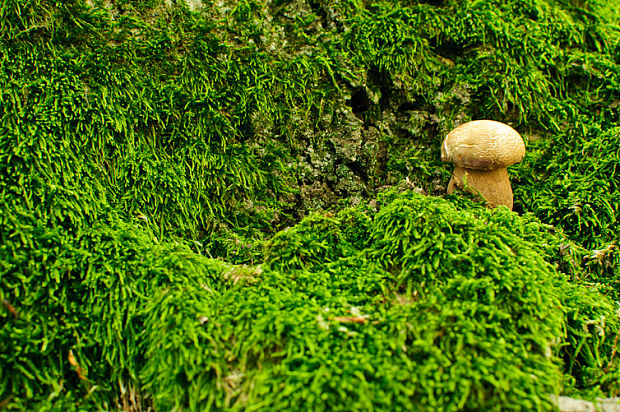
<point x="165" y="175"/>
<point x="419" y="303"/>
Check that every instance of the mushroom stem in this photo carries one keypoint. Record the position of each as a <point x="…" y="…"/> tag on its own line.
<point x="492" y="185"/>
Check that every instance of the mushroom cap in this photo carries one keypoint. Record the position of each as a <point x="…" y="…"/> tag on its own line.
<point x="483" y="145"/>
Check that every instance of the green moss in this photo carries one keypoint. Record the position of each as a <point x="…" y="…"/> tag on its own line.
<point x="156" y="165"/>
<point x="580" y="170"/>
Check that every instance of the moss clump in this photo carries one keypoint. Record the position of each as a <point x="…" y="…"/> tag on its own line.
<point x="151" y="157"/>
<point x="580" y="169"/>
<point x="373" y="309"/>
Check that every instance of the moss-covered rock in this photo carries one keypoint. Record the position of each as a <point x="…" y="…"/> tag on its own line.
<point x="192" y="209"/>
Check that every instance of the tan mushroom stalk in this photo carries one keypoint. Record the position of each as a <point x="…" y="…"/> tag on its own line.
<point x="481" y="151"/>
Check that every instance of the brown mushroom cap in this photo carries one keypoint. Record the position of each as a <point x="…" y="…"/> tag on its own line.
<point x="483" y="145"/>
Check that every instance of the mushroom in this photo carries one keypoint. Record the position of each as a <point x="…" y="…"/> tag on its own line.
<point x="481" y="151"/>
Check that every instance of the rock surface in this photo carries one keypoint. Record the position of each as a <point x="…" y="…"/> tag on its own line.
<point x="567" y="404"/>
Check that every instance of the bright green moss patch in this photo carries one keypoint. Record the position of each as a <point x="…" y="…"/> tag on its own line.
<point x="476" y="317"/>
<point x="165" y="176"/>
<point x="581" y="171"/>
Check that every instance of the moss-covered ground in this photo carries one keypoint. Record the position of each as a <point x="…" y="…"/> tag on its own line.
<point x="241" y="205"/>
